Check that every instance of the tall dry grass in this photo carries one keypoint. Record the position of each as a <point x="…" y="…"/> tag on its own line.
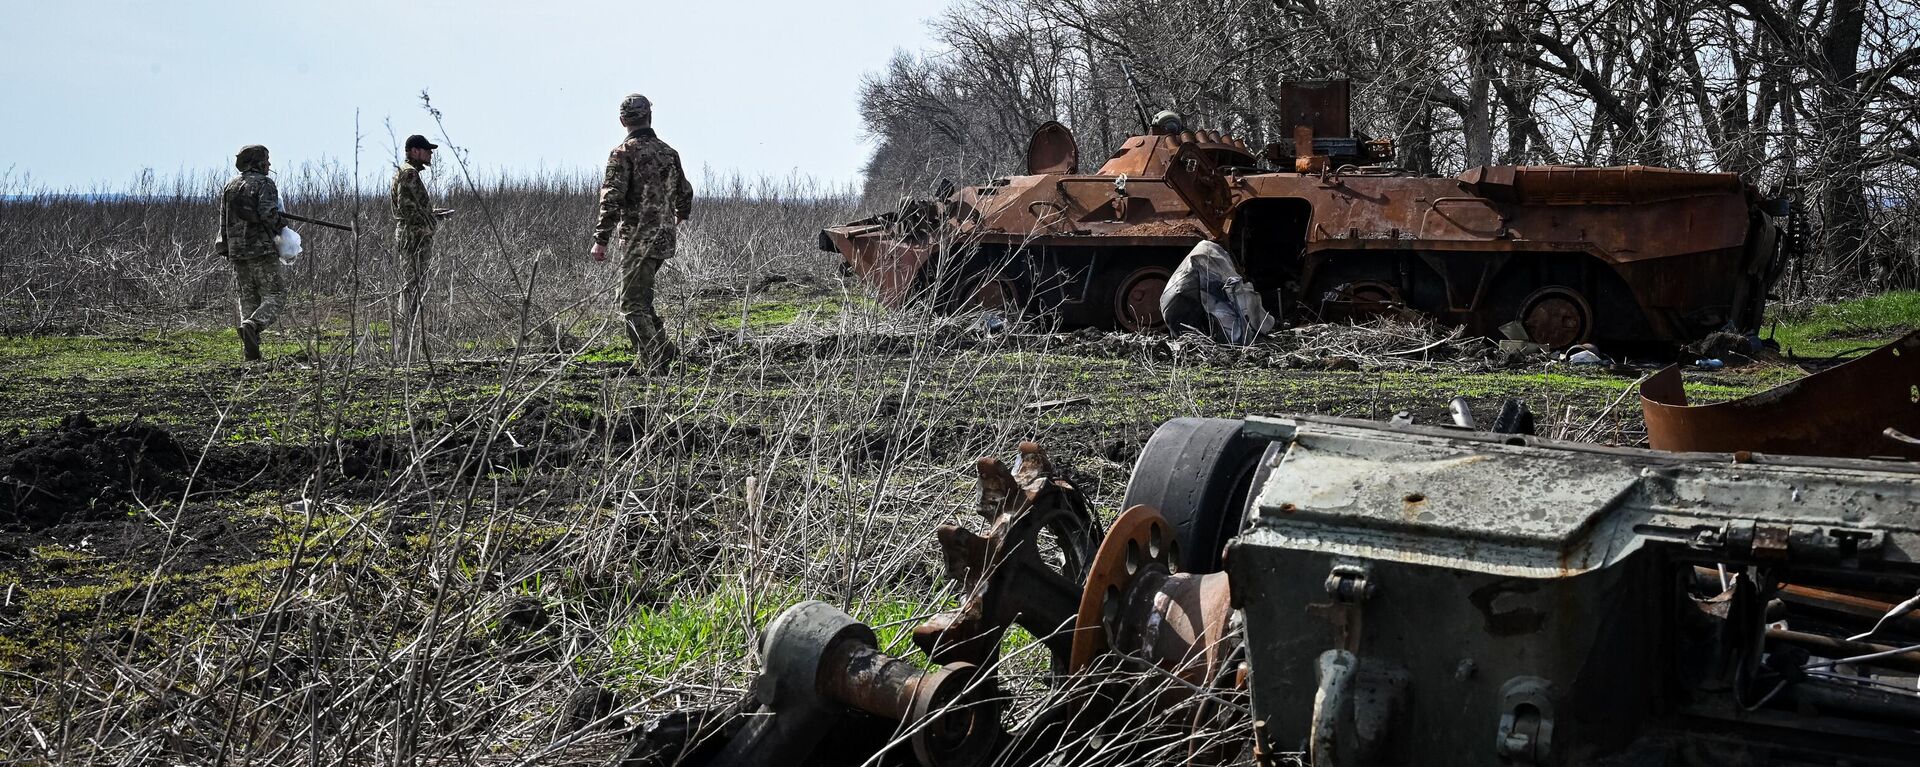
<point x="498" y="589"/>
<point x="142" y="255"/>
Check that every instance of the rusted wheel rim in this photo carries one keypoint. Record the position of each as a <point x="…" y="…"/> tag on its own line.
<point x="999" y="294"/>
<point x="1139" y="541"/>
<point x="1557" y="317"/>
<point x="1136" y="303"/>
<point x="955" y="715"/>
<point x="1372" y="294"/>
<point x="1368" y="299"/>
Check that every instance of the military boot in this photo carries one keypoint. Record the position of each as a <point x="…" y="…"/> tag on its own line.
<point x="664" y="356"/>
<point x="250" y="340"/>
<point x="654" y="358"/>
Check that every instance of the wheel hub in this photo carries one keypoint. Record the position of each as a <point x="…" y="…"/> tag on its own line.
<point x="1137" y="302"/>
<point x="1557" y="318"/>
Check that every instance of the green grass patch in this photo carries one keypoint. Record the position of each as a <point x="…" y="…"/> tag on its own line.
<point x="774" y="311"/>
<point x="95" y="356"/>
<point x="710" y="631"/>
<point x="103" y="603"/>
<point x="1863" y="323"/>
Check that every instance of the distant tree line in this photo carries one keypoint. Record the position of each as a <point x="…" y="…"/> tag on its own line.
<point x="1814" y="99"/>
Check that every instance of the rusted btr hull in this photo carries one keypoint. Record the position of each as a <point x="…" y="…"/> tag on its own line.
<point x="1093" y="248"/>
<point x="1623" y="254"/>
<point x="1573" y="254"/>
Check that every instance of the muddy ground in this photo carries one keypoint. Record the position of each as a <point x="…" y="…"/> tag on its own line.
<point x="162" y="504"/>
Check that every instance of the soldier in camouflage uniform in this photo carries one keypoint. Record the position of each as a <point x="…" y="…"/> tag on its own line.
<point x="414" y="222"/>
<point x="250" y="223"/>
<point x="645" y="197"/>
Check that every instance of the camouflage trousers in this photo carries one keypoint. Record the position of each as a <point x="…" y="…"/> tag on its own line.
<point x="416" y="253"/>
<point x="261" y="291"/>
<point x="638" y="268"/>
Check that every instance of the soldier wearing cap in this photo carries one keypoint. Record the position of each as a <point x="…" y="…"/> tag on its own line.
<point x="414" y="222"/>
<point x="643" y="199"/>
<point x="250" y="224"/>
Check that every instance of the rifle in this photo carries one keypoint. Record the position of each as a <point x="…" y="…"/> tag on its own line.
<point x="1139" y="99"/>
<point x="316" y="222"/>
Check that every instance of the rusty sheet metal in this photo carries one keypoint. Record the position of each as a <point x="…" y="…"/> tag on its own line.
<point x="1844" y="412"/>
<point x="1149" y="156"/>
<point x="1672" y="259"/>
<point x="1566" y="185"/>
<point x="1321" y="105"/>
<point x="1052" y="150"/>
<point x="890" y="265"/>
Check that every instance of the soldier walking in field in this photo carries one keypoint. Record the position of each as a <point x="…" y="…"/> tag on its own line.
<point x="645" y="197"/>
<point x="414" y="222"/>
<point x="250" y="221"/>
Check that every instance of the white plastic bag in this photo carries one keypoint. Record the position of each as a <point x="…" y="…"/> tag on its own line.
<point x="289" y="243"/>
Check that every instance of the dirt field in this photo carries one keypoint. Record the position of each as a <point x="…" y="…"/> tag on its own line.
<point x="205" y="556"/>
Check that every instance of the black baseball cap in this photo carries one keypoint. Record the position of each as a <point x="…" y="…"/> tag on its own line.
<point x="417" y="141"/>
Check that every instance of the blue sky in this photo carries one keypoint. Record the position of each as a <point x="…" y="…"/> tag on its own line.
<point x="92" y="92"/>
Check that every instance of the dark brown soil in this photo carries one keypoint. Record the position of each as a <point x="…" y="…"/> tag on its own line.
<point x="80" y="470"/>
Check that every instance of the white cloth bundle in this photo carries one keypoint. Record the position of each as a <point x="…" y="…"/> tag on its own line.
<point x="1206" y="281"/>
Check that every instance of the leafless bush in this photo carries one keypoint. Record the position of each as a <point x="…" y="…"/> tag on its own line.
<point x="144" y="254"/>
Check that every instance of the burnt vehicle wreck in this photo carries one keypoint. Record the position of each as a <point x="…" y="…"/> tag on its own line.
<point x="1329" y="591"/>
<point x="1326" y="230"/>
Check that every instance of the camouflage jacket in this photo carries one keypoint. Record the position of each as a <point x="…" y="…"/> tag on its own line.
<point x="644" y="195"/>
<point x="412" y="210"/>
<point x="249" y="217"/>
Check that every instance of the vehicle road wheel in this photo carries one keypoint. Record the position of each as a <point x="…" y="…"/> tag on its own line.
<point x="1136" y="299"/>
<point x="1557" y="317"/>
<point x="1198" y="473"/>
<point x="1367" y="300"/>
<point x="1000" y="294"/>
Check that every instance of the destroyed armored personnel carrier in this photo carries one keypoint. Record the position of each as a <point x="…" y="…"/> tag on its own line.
<point x="1325" y="229"/>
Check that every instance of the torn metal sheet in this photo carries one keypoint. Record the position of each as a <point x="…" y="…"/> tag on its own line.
<point x="1859" y="409"/>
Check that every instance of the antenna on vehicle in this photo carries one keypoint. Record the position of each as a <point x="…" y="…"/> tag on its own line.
<point x="1139" y="99"/>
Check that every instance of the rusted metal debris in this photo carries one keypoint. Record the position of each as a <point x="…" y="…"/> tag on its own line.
<point x="1391" y="595"/>
<point x="1005" y="578"/>
<point x="1137" y="602"/>
<point x="822" y="666"/>
<point x="1327" y="231"/>
<point x="1858" y="409"/>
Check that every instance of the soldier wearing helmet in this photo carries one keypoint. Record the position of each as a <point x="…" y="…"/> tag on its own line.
<point x="643" y="199"/>
<point x="1168" y="123"/>
<point x="250" y="224"/>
